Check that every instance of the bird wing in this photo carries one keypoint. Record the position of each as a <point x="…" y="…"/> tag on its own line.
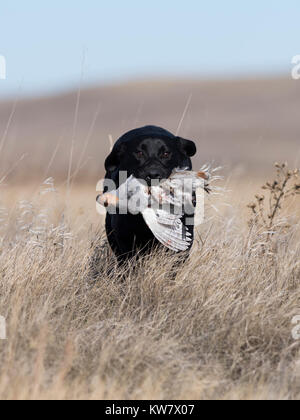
<point x="168" y="229"/>
<point x="200" y="179"/>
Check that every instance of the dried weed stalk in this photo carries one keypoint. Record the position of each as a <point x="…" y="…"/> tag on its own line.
<point x="266" y="209"/>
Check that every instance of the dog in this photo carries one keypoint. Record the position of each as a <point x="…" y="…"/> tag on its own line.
<point x="148" y="153"/>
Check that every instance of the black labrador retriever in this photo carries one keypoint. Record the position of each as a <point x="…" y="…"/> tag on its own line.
<point x="148" y="153"/>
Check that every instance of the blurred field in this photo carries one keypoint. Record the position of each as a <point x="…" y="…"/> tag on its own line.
<point x="240" y="124"/>
<point x="221" y="328"/>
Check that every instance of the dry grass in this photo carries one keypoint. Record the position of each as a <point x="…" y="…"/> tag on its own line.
<point x="221" y="329"/>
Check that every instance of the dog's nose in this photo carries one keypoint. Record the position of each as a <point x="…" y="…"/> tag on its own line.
<point x="153" y="179"/>
<point x="153" y="176"/>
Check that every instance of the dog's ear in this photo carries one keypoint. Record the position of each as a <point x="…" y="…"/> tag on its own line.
<point x="187" y="147"/>
<point x="114" y="159"/>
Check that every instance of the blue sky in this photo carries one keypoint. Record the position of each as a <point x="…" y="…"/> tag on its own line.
<point x="43" y="42"/>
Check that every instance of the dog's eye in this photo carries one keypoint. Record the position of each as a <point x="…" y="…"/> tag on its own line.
<point x="140" y="154"/>
<point x="166" y="155"/>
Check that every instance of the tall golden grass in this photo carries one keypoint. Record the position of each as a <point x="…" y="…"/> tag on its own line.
<point x="219" y="327"/>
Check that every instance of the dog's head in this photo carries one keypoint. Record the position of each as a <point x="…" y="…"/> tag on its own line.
<point x="150" y="153"/>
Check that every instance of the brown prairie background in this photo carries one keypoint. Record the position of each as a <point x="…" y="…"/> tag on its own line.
<point x="243" y="125"/>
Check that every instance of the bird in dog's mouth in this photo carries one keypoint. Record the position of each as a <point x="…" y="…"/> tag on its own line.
<point x="162" y="205"/>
